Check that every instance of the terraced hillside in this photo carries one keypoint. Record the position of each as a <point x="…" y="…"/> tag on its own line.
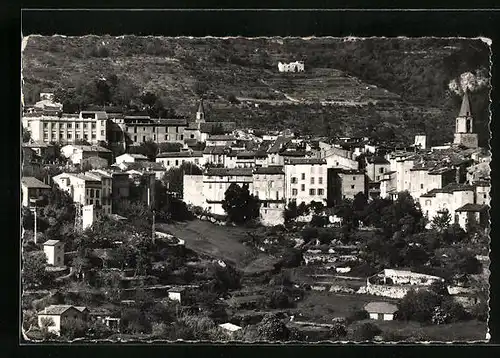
<point x="399" y="86"/>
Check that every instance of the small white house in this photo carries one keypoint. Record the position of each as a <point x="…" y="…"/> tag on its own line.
<point x="130" y="158"/>
<point x="54" y="249"/>
<point x="381" y="310"/>
<point x="175" y="294"/>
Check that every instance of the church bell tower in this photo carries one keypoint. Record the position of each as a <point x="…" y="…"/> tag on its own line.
<point x="200" y="114"/>
<point x="464" y="127"/>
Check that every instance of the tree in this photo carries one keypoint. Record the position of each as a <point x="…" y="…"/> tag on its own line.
<point x="240" y="205"/>
<point x="291" y="211"/>
<point x="26" y="135"/>
<point x="441" y="222"/>
<point x="174" y="177"/>
<point x="169" y="147"/>
<point x="34" y="274"/>
<point x="418" y="306"/>
<point x="290" y="258"/>
<point x="309" y="233"/>
<point x="469" y="264"/>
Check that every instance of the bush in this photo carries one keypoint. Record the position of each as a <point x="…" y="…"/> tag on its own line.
<point x="418" y="306"/>
<point x="366" y="332"/>
<point x="357" y="315"/>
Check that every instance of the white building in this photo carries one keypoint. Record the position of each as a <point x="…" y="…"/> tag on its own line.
<point x="54" y="250"/>
<point x="76" y="153"/>
<point x="86" y="189"/>
<point x="130" y="158"/>
<point x="175" y="294"/>
<point x="269" y="187"/>
<point x="297" y="66"/>
<point x="56" y="317"/>
<point x="176" y="159"/>
<point x="381" y="310"/>
<point x="67" y="128"/>
<point x="306" y="180"/>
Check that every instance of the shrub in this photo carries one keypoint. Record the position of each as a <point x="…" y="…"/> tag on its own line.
<point x="309" y="233"/>
<point x="366" y="332"/>
<point x="357" y="315"/>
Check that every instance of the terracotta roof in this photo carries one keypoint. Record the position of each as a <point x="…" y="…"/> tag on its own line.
<point x="171" y="121"/>
<point x="269" y="170"/>
<point x="310" y="161"/>
<point x="278" y="144"/>
<point x="176" y="289"/>
<point x="472" y="208"/>
<point x="216" y="149"/>
<point x="32" y="182"/>
<point x="377" y="160"/>
<point x="90" y="148"/>
<point x="380" y="307"/>
<point x="60" y="309"/>
<point x="229" y="172"/>
<point x="221" y="137"/>
<point x="145" y="165"/>
<point x="245" y="154"/>
<point x="180" y="154"/>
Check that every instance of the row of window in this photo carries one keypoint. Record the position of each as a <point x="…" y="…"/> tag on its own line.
<point x="311" y="191"/>
<point x="295" y="181"/>
<point x="91" y="202"/>
<point x="69" y="136"/>
<point x="70" y="125"/>
<point x="181" y="137"/>
<point x="93" y="193"/>
<point x="196" y="161"/>
<point x="153" y="129"/>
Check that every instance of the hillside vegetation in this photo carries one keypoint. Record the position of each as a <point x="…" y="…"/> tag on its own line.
<point x="392" y="88"/>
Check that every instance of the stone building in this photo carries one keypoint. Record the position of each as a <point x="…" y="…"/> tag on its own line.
<point x="464" y="128"/>
<point x="306" y="180"/>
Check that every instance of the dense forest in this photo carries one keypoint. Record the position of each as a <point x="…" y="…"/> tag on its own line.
<point x="405" y="86"/>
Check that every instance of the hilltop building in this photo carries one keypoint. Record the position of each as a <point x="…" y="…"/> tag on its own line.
<point x="297" y="66"/>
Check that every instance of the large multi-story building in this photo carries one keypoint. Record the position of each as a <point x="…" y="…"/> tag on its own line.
<point x="306" y="180"/>
<point x="269" y="187"/>
<point x="90" y="126"/>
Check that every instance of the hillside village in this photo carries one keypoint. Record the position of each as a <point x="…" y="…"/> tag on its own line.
<point x="143" y="228"/>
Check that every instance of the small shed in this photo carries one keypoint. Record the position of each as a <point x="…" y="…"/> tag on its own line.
<point x="383" y="311"/>
<point x="229" y="327"/>
<point x="175" y="294"/>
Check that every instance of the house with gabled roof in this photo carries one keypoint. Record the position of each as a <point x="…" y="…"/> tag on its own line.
<point x="57" y="317"/>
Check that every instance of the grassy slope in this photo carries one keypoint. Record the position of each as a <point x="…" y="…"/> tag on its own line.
<point x="416" y="71"/>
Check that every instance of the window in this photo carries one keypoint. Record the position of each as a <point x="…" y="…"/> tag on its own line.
<point x="277" y="195"/>
<point x="102" y="131"/>
<point x="97" y="202"/>
<point x="302" y="187"/>
<point x="192" y="136"/>
<point x="353" y="178"/>
<point x="143" y="138"/>
<point x="69" y="135"/>
<point x="265" y="205"/>
<point x="45" y="125"/>
<point x="46" y="136"/>
<point x="220" y="186"/>
<point x="91" y="201"/>
<point x="427" y="203"/>
<point x="421" y="186"/>
<point x="294" y="192"/>
<point x="87" y="202"/>
<point x="97" y="193"/>
<point x="93" y="136"/>
<point x="85" y="125"/>
<point x="135" y="138"/>
<point x="485" y="196"/>
<point x="168" y="162"/>
<point x="176" y="129"/>
<point x="70" y="125"/>
<point x="381" y="170"/>
<point x="312" y="180"/>
<point x="85" y="136"/>
<point x="182" y="136"/>
<point x="91" y="192"/>
<point x="77" y="125"/>
<point x="321" y="191"/>
<point x="272" y="159"/>
<point x="210" y="186"/>
<point x="93" y="125"/>
<point x="294" y="180"/>
<point x="143" y="129"/>
<point x="303" y="176"/>
<point x="135" y="129"/>
<point x="272" y="183"/>
<point x="166" y="136"/>
<point x="177" y="162"/>
<point x="352" y="186"/>
<point x="320" y="180"/>
<point x="312" y="191"/>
